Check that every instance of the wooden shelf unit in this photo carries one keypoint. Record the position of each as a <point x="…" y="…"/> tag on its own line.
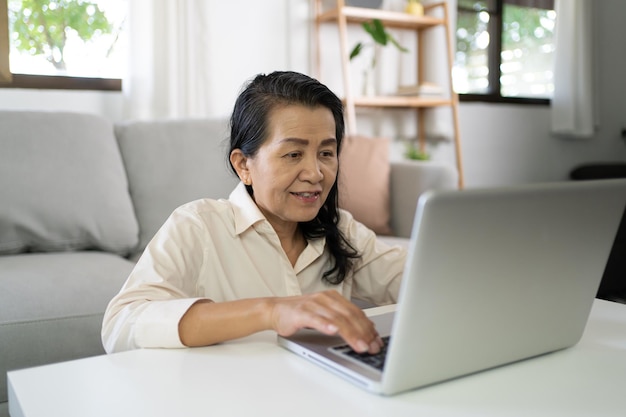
<point x="389" y="18"/>
<point x="343" y="15"/>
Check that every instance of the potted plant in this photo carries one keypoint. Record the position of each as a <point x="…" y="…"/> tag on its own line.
<point x="380" y="38"/>
<point x="413" y="152"/>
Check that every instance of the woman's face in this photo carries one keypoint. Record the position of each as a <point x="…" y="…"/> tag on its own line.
<point x="295" y="168"/>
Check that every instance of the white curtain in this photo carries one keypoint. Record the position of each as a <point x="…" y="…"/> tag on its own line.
<point x="573" y="101"/>
<point x="168" y="63"/>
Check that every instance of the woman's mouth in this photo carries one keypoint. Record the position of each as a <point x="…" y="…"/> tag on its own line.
<point x="307" y="196"/>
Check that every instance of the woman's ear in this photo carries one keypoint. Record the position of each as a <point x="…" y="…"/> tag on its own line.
<point x="240" y="162"/>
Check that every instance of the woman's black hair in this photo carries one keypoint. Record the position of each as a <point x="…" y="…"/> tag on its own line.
<point x="249" y="130"/>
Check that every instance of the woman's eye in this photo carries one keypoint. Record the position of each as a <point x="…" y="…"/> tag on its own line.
<point x="293" y="155"/>
<point x="327" y="154"/>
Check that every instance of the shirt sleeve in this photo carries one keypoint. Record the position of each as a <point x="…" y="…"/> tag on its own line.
<point x="378" y="272"/>
<point x="159" y="290"/>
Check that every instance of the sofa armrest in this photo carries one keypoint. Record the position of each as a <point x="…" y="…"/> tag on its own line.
<point x="409" y="179"/>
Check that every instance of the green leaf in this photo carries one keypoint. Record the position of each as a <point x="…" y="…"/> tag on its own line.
<point x="376" y="29"/>
<point x="356" y="50"/>
<point x="379" y="35"/>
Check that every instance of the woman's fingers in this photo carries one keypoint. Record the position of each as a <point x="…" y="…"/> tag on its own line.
<point x="352" y="324"/>
<point x="329" y="313"/>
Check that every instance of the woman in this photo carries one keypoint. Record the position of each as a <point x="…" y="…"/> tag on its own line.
<point x="278" y="254"/>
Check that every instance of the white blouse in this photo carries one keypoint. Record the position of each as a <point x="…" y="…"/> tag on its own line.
<point x="226" y="250"/>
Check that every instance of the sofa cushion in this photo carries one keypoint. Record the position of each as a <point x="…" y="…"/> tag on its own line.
<point x="364" y="181"/>
<point x="172" y="162"/>
<point x="52" y="305"/>
<point x="63" y="176"/>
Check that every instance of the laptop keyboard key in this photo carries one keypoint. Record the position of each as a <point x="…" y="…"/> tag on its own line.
<point x="376" y="360"/>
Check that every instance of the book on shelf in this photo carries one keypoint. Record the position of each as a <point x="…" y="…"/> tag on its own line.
<point x="423" y="89"/>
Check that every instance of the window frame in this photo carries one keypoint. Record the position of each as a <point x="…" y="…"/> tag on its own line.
<point x="5" y="72"/>
<point x="495" y="26"/>
<point x="46" y="82"/>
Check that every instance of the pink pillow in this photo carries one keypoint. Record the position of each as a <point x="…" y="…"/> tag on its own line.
<point x="364" y="181"/>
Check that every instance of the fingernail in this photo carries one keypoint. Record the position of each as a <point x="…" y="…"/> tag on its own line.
<point x="361" y="346"/>
<point x="374" y="347"/>
<point x="332" y="328"/>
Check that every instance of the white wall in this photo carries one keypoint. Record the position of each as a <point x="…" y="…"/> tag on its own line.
<point x="257" y="41"/>
<point x="107" y="104"/>
<point x="501" y="144"/>
<point x="512" y="145"/>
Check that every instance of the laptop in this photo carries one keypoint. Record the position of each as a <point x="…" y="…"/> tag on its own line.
<point x="493" y="276"/>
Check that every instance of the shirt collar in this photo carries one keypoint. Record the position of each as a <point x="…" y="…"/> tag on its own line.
<point x="246" y="212"/>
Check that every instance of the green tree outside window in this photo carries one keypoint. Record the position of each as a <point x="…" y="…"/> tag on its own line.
<point x="42" y="27"/>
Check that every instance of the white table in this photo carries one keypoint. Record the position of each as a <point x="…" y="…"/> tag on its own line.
<point x="255" y="377"/>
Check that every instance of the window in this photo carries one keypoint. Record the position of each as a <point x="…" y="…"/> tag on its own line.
<point x="504" y="50"/>
<point x="66" y="44"/>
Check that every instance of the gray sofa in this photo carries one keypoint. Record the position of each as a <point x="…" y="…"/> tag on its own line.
<point x="80" y="197"/>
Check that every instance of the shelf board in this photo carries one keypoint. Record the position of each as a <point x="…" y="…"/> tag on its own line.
<point x="389" y="18"/>
<point x="401" y="101"/>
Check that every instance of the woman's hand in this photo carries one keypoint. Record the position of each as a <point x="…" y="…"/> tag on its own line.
<point x="206" y="322"/>
<point x="329" y="313"/>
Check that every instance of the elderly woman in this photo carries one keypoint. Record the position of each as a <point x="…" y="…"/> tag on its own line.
<point x="278" y="254"/>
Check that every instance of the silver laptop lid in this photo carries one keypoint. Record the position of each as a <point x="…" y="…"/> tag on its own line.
<point x="499" y="275"/>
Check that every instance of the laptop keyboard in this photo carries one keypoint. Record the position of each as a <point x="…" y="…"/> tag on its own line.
<point x="376" y="360"/>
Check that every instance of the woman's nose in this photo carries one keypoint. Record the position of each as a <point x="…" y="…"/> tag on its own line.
<point x="312" y="171"/>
